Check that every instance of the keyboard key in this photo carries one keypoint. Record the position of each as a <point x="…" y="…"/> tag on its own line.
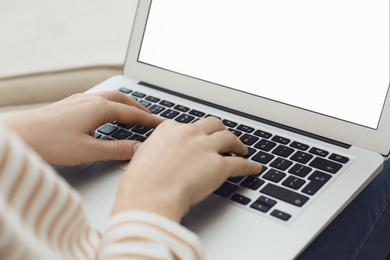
<point x="237" y="133"/>
<point x="281" y="164"/>
<point x="140" y="130"/>
<point x="253" y="183"/>
<point x="293" y="183"/>
<point x="166" y="103"/>
<point x="317" y="180"/>
<point x="236" y="179"/>
<point x="196" y="113"/>
<point x="319" y="152"/>
<point x="301" y="157"/>
<point x="183" y="118"/>
<point x="124" y="90"/>
<point x="260" y="207"/>
<point x="229" y="123"/>
<point x="288" y="196"/>
<point x="137" y="137"/>
<point x="266" y="201"/>
<point x="283" y="151"/>
<point x="299" y="146"/>
<point x="240" y="199"/>
<point x="245" y="128"/>
<point x="181" y="108"/>
<point x="339" y="158"/>
<point x="121" y="134"/>
<point x="280" y="139"/>
<point x="138" y="94"/>
<point x="265" y="145"/>
<point x="262" y="157"/>
<point x="251" y="151"/>
<point x="226" y="190"/>
<point x="145" y="103"/>
<point x="262" y="134"/>
<point x="325" y="165"/>
<point x="300" y="170"/>
<point x="169" y="114"/>
<point x="152" y="99"/>
<point x="107" y="129"/>
<point x="274" y="175"/>
<point x="156" y="109"/>
<point x="281" y="215"/>
<point x="249" y="139"/>
<point x="263" y="170"/>
<point x="127" y="126"/>
<point x="97" y="135"/>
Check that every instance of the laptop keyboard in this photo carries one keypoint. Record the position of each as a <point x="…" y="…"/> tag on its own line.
<point x="292" y="171"/>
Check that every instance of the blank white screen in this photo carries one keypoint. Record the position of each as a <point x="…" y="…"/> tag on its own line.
<point x="330" y="57"/>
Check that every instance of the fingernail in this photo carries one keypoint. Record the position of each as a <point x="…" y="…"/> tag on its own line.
<point x="259" y="166"/>
<point x="136" y="146"/>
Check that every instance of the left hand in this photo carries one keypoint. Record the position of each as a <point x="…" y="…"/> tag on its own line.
<point x="63" y="132"/>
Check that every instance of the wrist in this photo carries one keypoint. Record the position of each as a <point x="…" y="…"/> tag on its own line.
<point x="163" y="203"/>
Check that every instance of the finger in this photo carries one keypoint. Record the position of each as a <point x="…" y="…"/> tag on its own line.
<point x="129" y="114"/>
<point x="119" y="97"/>
<point x="238" y="166"/>
<point x="110" y="150"/>
<point x="210" y="125"/>
<point x="226" y="142"/>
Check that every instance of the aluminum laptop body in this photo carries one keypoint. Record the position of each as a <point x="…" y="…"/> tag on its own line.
<point x="280" y="67"/>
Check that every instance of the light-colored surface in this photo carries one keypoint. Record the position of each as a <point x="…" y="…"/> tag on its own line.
<point x="49" y="35"/>
<point x="51" y="49"/>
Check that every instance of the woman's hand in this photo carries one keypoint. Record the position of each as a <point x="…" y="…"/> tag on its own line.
<point x="180" y="165"/>
<point x="63" y="132"/>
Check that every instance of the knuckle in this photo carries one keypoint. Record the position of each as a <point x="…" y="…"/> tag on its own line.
<point x="216" y="121"/>
<point x="77" y="96"/>
<point x="168" y="124"/>
<point x="98" y="100"/>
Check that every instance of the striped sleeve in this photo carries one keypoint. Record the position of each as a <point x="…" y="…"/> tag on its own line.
<point x="41" y="217"/>
<point x="137" y="234"/>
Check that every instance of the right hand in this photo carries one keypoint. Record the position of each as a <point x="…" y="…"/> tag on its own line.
<point x="179" y="165"/>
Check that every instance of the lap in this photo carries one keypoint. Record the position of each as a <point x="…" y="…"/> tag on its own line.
<point x="361" y="230"/>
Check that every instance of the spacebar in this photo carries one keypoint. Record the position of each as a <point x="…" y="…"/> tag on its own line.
<point x="285" y="195"/>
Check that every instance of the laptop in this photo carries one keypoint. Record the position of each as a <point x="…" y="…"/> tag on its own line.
<point x="304" y="84"/>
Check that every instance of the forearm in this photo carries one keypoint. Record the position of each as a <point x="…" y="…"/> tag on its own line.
<point x="42" y="217"/>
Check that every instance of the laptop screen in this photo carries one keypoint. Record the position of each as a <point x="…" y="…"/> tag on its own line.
<point x="330" y="57"/>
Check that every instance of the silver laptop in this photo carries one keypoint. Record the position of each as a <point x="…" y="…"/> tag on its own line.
<point x="303" y="84"/>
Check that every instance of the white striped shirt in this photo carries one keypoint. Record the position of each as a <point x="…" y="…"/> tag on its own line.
<point x="41" y="217"/>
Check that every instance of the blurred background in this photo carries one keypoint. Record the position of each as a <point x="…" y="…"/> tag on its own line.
<point x="50" y="49"/>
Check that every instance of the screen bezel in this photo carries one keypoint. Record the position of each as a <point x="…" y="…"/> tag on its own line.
<point x="373" y="139"/>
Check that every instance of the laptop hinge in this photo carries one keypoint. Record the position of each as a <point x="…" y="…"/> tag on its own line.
<point x="258" y="119"/>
